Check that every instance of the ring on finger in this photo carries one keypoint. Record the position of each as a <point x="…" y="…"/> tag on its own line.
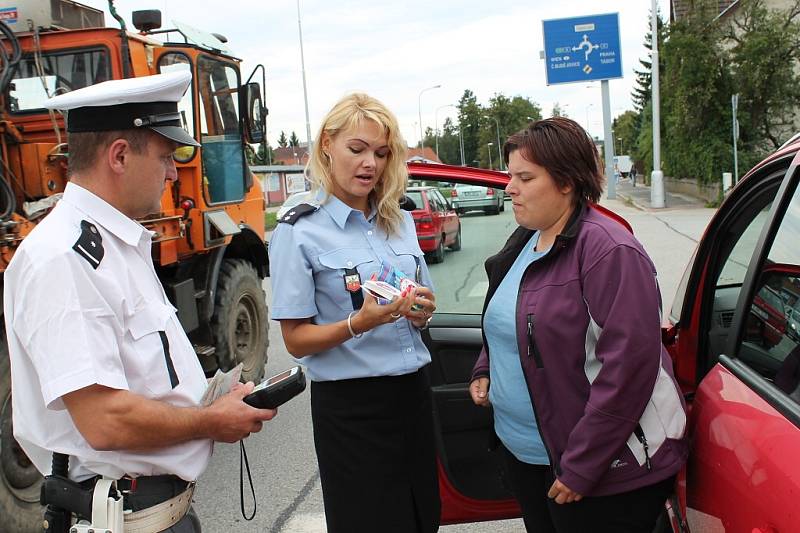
<point x="395" y="315"/>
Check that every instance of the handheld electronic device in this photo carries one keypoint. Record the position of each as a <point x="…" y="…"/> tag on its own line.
<point x="278" y="389"/>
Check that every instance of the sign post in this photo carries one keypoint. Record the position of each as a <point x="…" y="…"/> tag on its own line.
<point x="581" y="49"/>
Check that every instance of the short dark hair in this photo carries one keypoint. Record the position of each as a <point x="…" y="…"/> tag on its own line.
<point x="563" y="147"/>
<point x="84" y="147"/>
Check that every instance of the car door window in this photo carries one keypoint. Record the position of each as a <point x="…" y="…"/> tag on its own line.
<point x="460" y="279"/>
<point x="771" y="337"/>
<point x="735" y="249"/>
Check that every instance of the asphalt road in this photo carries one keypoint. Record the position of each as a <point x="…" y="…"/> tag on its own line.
<point x="281" y="457"/>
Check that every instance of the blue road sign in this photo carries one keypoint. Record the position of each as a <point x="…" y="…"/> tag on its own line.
<point x="582" y="49"/>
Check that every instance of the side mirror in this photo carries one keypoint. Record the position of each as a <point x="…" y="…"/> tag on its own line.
<point x="407" y="203"/>
<point x="254" y="113"/>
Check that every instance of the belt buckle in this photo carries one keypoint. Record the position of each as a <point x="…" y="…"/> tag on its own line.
<point x="131" y="485"/>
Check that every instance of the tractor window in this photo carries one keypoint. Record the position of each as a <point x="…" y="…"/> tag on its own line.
<point x="56" y="73"/>
<point x="176" y="62"/>
<point x="220" y="131"/>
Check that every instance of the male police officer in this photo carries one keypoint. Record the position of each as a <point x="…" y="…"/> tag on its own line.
<point x="101" y="368"/>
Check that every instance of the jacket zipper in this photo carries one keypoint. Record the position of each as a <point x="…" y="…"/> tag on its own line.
<point x="554" y="465"/>
<point x="639" y="432"/>
<point x="532" y="348"/>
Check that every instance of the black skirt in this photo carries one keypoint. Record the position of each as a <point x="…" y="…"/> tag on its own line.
<point x="376" y="454"/>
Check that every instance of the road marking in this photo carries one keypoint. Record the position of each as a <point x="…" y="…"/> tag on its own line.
<point x="479" y="290"/>
<point x="306" y="523"/>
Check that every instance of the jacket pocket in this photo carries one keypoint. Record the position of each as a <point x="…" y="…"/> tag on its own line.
<point x="664" y="418"/>
<point x="533" y="349"/>
<point x="153" y="367"/>
<point x="407" y="258"/>
<point x="335" y="263"/>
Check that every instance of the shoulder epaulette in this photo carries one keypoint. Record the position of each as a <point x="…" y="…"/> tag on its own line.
<point x="90" y="244"/>
<point x="296" y="212"/>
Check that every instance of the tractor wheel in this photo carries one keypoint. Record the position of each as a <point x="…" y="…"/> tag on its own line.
<point x="240" y="321"/>
<point x="20" y="482"/>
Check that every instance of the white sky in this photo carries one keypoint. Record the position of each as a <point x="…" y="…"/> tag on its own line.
<point x="393" y="50"/>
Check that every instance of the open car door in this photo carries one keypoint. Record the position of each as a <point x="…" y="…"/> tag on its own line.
<point x="470" y="469"/>
<point x="737" y="355"/>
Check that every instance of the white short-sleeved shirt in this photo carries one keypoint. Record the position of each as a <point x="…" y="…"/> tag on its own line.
<point x="73" y="322"/>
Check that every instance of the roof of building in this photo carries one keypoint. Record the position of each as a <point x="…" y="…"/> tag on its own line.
<point x="426" y="155"/>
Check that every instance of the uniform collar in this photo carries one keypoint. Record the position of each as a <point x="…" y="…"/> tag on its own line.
<point x="104" y="214"/>
<point x="340" y="211"/>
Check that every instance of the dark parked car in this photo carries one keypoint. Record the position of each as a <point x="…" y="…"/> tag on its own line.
<point x="438" y="225"/>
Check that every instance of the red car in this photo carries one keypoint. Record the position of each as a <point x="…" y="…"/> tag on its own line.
<point x="743" y="393"/>
<point x="437" y="223"/>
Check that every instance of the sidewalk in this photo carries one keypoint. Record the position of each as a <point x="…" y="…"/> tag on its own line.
<point x="639" y="196"/>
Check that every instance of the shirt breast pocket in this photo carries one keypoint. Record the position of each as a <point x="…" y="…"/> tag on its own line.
<point x="338" y="263"/>
<point x="151" y="368"/>
<point x="406" y="257"/>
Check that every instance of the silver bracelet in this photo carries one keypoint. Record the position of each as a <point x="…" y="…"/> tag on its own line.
<point x="350" y="326"/>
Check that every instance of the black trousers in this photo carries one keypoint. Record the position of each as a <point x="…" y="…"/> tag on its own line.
<point x="376" y="454"/>
<point x="628" y="512"/>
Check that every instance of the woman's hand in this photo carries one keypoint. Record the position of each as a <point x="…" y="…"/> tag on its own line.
<point x="563" y="494"/>
<point x="479" y="390"/>
<point x="372" y="314"/>
<point x="424" y="298"/>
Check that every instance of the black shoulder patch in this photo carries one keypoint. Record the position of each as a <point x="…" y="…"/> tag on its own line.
<point x="90" y="244"/>
<point x="296" y="212"/>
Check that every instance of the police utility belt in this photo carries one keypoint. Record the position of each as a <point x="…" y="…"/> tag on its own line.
<point x="105" y="504"/>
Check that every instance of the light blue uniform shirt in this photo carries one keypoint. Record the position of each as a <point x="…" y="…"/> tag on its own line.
<point x="307" y="267"/>
<point x="514" y="421"/>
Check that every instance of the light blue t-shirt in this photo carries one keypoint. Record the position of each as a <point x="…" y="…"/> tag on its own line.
<point x="514" y="421"/>
<point x="308" y="262"/>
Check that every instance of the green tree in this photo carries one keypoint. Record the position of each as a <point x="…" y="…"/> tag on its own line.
<point x="695" y="89"/>
<point x="764" y="50"/>
<point x="625" y="131"/>
<point x="282" y="141"/>
<point x="558" y="111"/>
<point x="469" y="115"/>
<point x="293" y="140"/>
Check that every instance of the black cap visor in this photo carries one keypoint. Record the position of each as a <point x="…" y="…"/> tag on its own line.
<point x="175" y="133"/>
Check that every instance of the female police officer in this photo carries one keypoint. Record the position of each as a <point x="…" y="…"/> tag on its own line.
<point x="370" y="399"/>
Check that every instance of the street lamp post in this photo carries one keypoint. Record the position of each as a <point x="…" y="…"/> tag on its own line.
<point x="461" y="141"/>
<point x="303" y="68"/>
<point x="489" y="149"/>
<point x="587" y="118"/>
<point x="499" y="155"/>
<point x="436" y="118"/>
<point x="620" y="146"/>
<point x="419" y="111"/>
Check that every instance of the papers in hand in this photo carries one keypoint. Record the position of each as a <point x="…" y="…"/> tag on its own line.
<point x="382" y="291"/>
<point x="221" y="384"/>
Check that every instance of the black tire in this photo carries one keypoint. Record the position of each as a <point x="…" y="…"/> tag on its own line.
<point x="502" y="206"/>
<point x="437" y="256"/>
<point x="240" y="322"/>
<point x="456" y="246"/>
<point x="19" y="480"/>
<point x="493" y="210"/>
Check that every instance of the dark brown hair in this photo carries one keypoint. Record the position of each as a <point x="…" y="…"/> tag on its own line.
<point x="565" y="150"/>
<point x="85" y="147"/>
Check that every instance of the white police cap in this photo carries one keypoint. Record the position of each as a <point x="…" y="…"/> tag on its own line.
<point x="147" y="102"/>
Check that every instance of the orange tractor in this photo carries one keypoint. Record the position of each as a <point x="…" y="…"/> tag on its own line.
<point x="209" y="248"/>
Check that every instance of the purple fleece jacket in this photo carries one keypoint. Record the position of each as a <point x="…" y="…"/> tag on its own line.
<point x="589" y="332"/>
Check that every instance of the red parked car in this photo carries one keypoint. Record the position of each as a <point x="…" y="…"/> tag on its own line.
<point x="744" y="393"/>
<point x="437" y="223"/>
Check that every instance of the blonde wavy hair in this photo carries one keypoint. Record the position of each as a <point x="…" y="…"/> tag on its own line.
<point x="347" y="115"/>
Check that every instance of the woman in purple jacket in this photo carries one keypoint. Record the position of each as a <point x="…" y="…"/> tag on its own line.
<point x="586" y="406"/>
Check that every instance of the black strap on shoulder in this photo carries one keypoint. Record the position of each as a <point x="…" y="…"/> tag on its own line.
<point x="296" y="212"/>
<point x="352" y="283"/>
<point x="173" y="376"/>
<point x="90" y="244"/>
